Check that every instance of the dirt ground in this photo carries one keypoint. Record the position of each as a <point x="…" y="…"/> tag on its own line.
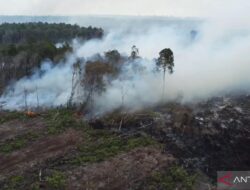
<point x="18" y="127"/>
<point x="120" y="172"/>
<point x="194" y="137"/>
<point x="40" y="151"/>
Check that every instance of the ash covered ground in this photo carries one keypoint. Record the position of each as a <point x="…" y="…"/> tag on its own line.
<point x="148" y="149"/>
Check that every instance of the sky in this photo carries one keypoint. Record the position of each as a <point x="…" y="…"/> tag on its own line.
<point x="178" y="8"/>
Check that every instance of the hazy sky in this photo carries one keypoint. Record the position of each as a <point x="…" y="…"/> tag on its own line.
<point x="183" y="8"/>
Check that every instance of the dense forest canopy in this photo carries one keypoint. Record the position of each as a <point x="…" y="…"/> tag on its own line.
<point x="23" y="46"/>
<point x="33" y="32"/>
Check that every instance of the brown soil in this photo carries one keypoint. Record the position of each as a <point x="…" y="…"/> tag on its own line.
<point x="17" y="127"/>
<point x="38" y="152"/>
<point x="121" y="172"/>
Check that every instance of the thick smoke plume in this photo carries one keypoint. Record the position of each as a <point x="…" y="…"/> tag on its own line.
<point x="211" y="57"/>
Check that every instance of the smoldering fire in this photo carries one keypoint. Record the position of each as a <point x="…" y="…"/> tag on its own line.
<point x="210" y="60"/>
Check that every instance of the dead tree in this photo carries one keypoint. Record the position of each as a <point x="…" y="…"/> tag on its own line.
<point x="93" y="81"/>
<point x="134" y="52"/>
<point x="124" y="92"/>
<point x="37" y="98"/>
<point x="76" y="80"/>
<point x="25" y="99"/>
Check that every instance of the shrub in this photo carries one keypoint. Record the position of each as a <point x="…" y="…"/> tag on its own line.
<point x="56" y="181"/>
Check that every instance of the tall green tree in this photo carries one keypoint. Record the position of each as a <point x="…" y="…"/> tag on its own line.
<point x="165" y="62"/>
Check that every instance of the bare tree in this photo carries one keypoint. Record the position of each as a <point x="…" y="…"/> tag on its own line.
<point x="124" y="92"/>
<point x="76" y="80"/>
<point x="25" y="99"/>
<point x="93" y="81"/>
<point x="134" y="52"/>
<point x="37" y="97"/>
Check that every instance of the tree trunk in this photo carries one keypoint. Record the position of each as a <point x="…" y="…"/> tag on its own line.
<point x="163" y="88"/>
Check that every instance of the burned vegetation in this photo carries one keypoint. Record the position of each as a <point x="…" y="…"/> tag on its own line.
<point x="168" y="145"/>
<point x="163" y="147"/>
<point x="92" y="77"/>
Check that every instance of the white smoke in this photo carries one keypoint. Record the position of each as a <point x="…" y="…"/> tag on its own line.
<point x="49" y="86"/>
<point x="214" y="62"/>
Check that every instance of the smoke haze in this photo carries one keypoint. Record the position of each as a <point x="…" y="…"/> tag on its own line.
<point x="211" y="58"/>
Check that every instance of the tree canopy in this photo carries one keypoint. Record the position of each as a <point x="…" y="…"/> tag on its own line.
<point x="23" y="46"/>
<point x="33" y="32"/>
<point x="166" y="60"/>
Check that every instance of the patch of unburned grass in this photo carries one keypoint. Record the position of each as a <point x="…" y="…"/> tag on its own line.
<point x="18" y="142"/>
<point x="12" y="115"/>
<point x="100" y="145"/>
<point x="58" y="120"/>
<point x="172" y="178"/>
<point x="56" y="181"/>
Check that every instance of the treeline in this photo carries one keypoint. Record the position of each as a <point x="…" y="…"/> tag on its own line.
<point x="24" y="46"/>
<point x="42" y="49"/>
<point x="33" y="32"/>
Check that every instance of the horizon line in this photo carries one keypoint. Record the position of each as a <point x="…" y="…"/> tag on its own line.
<point x="101" y="15"/>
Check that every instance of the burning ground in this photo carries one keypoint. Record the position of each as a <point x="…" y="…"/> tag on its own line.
<point x="101" y="118"/>
<point x="162" y="147"/>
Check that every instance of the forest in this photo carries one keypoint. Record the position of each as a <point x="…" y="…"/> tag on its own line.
<point x="24" y="46"/>
<point x="33" y="32"/>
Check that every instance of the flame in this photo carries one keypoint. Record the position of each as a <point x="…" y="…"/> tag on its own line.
<point x="31" y="114"/>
